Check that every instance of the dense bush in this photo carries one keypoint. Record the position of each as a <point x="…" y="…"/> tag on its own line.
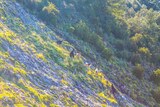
<point x="156" y="76"/>
<point x="156" y="94"/>
<point x="144" y="50"/>
<point x="136" y="38"/>
<point x="132" y="47"/>
<point x="46" y="10"/>
<point x="145" y="53"/>
<point x="120" y="30"/>
<point x="119" y="44"/>
<point x="49" y="13"/>
<point x="34" y="5"/>
<point x="107" y="53"/>
<point x="83" y="32"/>
<point x="158" y="20"/>
<point x="138" y="71"/>
<point x="124" y="54"/>
<point x="156" y="58"/>
<point x="135" y="58"/>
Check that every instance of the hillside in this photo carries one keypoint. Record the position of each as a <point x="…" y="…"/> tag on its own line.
<point x="120" y="39"/>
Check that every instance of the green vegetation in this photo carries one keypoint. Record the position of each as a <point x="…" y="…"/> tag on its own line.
<point x="138" y="71"/>
<point x="121" y="37"/>
<point x="46" y="10"/>
<point x="156" y="94"/>
<point x="156" y="76"/>
<point x="136" y="38"/>
<point x="83" y="32"/>
<point x="49" y="13"/>
<point x="136" y="58"/>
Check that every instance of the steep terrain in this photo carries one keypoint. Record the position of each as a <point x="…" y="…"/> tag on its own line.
<point x="36" y="71"/>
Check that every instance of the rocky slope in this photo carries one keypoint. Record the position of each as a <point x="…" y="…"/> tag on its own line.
<point x="36" y="71"/>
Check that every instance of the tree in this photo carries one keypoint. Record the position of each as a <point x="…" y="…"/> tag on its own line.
<point x="49" y="13"/>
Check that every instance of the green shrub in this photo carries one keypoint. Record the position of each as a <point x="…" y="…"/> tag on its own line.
<point x="49" y="13"/>
<point x="107" y="53"/>
<point x="119" y="44"/>
<point x="156" y="58"/>
<point x="46" y="10"/>
<point x="135" y="58"/>
<point x="124" y="54"/>
<point x="34" y="5"/>
<point x="83" y="32"/>
<point x="133" y="47"/>
<point x="76" y="66"/>
<point x="120" y="29"/>
<point x="156" y="76"/>
<point x="136" y="38"/>
<point x="156" y="94"/>
<point x="144" y="50"/>
<point x="97" y="41"/>
<point x="158" y="20"/>
<point x="138" y="71"/>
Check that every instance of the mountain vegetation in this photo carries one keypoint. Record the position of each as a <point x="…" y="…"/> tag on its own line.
<point x="115" y="46"/>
